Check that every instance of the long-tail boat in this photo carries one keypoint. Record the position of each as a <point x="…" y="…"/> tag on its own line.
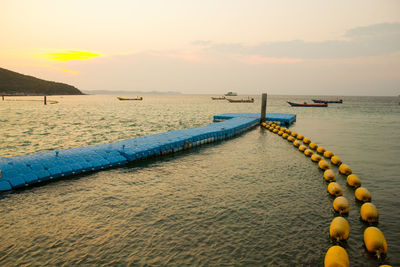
<point x="307" y="105"/>
<point x="136" y="98"/>
<point x="218" y="98"/>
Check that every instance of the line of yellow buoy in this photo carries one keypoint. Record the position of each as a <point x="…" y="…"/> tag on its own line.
<point x="374" y="239"/>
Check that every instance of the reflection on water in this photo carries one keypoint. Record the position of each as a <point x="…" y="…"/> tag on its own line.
<point x="253" y="200"/>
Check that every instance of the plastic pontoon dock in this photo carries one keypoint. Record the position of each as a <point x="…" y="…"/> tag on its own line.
<point x="22" y="171"/>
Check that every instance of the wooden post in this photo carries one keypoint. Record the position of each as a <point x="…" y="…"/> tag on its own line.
<point x="263" y="107"/>
<point x="2" y="97"/>
<point x="45" y="100"/>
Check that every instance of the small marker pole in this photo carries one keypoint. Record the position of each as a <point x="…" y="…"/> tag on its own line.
<point x="263" y="107"/>
<point x="45" y="100"/>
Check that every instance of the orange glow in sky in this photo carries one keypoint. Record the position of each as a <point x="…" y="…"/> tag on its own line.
<point x="71" y="55"/>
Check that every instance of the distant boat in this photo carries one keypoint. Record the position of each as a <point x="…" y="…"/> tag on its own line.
<point x="340" y="101"/>
<point x="136" y="98"/>
<point x="249" y="100"/>
<point x="231" y="94"/>
<point x="307" y="105"/>
<point x="218" y="98"/>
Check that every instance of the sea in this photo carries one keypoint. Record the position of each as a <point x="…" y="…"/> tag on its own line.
<point x="254" y="200"/>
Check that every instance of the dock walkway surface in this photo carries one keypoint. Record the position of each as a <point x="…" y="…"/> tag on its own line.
<point x="283" y="118"/>
<point x="21" y="171"/>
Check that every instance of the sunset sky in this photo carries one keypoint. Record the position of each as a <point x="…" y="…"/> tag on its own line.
<point x="207" y="47"/>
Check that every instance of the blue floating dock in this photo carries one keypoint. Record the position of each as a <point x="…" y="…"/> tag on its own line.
<point x="21" y="171"/>
<point x="282" y="118"/>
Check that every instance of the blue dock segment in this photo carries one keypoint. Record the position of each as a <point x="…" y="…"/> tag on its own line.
<point x="285" y="119"/>
<point x="22" y="171"/>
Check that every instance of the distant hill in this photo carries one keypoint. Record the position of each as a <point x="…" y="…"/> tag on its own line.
<point x="13" y="83"/>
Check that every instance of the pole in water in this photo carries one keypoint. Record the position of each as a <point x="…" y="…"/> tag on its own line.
<point x="263" y="107"/>
<point x="45" y="100"/>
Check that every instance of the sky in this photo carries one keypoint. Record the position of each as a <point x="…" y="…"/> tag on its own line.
<point x="308" y="47"/>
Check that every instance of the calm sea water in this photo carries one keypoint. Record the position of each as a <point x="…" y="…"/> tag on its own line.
<point x="254" y="200"/>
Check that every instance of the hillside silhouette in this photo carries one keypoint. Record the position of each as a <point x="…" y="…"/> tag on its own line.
<point x="14" y="83"/>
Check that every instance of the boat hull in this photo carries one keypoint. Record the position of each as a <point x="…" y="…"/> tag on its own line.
<point x="241" y="100"/>
<point x="127" y="99"/>
<point x="327" y="101"/>
<point x="307" y="105"/>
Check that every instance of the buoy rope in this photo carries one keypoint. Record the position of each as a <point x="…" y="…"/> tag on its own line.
<point x="305" y="145"/>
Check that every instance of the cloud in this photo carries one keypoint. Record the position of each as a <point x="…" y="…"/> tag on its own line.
<point x="183" y="55"/>
<point x="245" y="74"/>
<point x="71" y="55"/>
<point x="254" y="60"/>
<point x="373" y="40"/>
<point x="201" y="43"/>
<point x="375" y="30"/>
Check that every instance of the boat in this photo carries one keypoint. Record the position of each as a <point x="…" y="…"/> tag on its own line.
<point x="218" y="98"/>
<point x="340" y="101"/>
<point x="231" y="94"/>
<point x="136" y="98"/>
<point x="307" y="105"/>
<point x="249" y="100"/>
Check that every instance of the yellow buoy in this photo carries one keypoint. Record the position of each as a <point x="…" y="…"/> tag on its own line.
<point x="375" y="241"/>
<point x="339" y="229"/>
<point x="320" y="150"/>
<point x="263" y="124"/>
<point x="328" y="154"/>
<point x="345" y="169"/>
<point x="362" y="194"/>
<point x="369" y="212"/>
<point x="308" y="152"/>
<point x="323" y="165"/>
<point x="315" y="157"/>
<point x="329" y="175"/>
<point x="306" y="140"/>
<point x="285" y="135"/>
<point x="353" y="180"/>
<point x="294" y="134"/>
<point x="290" y="138"/>
<point x="273" y="124"/>
<point x="302" y="148"/>
<point x="280" y="133"/>
<point x="275" y="131"/>
<point x="336" y="256"/>
<point x="271" y="128"/>
<point x="296" y="143"/>
<point x="341" y="205"/>
<point x="334" y="189"/>
<point x="300" y="137"/>
<point x="336" y="160"/>
<point x="313" y="146"/>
